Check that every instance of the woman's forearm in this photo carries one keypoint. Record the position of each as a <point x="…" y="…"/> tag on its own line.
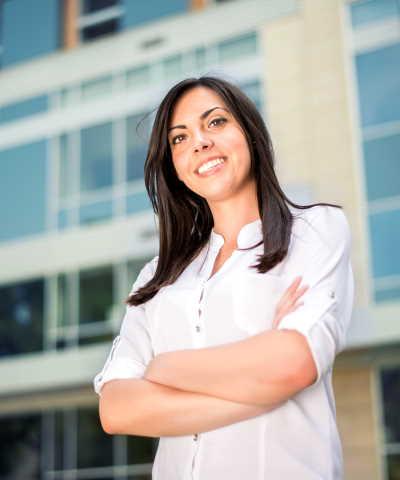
<point x="141" y="407"/>
<point x="265" y="369"/>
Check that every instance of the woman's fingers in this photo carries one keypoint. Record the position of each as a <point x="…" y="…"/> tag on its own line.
<point x="292" y="293"/>
<point x="289" y="301"/>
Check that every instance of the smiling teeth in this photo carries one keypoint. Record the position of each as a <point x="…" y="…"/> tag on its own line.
<point x="208" y="165"/>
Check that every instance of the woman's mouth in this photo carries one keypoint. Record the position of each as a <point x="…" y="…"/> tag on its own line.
<point x="211" y="167"/>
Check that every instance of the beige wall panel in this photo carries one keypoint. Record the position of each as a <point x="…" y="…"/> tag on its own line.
<point x="356" y="418"/>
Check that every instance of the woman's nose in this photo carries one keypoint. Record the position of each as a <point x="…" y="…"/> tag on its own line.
<point x="202" y="143"/>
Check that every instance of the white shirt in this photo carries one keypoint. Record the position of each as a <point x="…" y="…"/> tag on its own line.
<point x="298" y="440"/>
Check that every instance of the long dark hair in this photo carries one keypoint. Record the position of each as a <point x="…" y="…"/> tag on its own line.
<point x="185" y="219"/>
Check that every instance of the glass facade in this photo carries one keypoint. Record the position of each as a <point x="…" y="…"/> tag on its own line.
<point x="378" y="82"/>
<point x="25" y="108"/>
<point x="23" y="187"/>
<point x="390" y="384"/>
<point x="365" y="12"/>
<point x="70" y="443"/>
<point x="88" y="308"/>
<point x="99" y="18"/>
<point x="96" y="157"/>
<point x="21" y="317"/>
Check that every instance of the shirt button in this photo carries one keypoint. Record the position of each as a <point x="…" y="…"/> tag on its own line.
<point x="195" y="437"/>
<point x="332" y="294"/>
<point x="197" y="328"/>
<point x="199" y="312"/>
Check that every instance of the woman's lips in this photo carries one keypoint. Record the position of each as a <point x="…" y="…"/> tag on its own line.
<point x="212" y="170"/>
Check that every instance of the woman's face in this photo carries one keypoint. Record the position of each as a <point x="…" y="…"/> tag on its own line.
<point x="208" y="146"/>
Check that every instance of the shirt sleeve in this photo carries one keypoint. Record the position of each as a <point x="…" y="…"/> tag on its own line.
<point x="325" y="316"/>
<point x="131" y="350"/>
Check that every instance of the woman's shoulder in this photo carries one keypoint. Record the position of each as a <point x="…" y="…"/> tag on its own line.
<point x="321" y="223"/>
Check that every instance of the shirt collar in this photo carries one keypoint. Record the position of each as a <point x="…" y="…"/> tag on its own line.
<point x="249" y="235"/>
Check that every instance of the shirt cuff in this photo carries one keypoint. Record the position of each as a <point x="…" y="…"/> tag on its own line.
<point x="322" y="338"/>
<point x="121" y="368"/>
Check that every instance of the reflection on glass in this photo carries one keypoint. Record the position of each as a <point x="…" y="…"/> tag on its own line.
<point x="96" y="157"/>
<point x="137" y="136"/>
<point x="21" y="318"/>
<point x="95" y="294"/>
<point x="94" y="446"/>
<point x="20" y="447"/>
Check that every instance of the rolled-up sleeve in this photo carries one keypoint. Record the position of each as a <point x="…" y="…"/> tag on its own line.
<point x="325" y="316"/>
<point x="131" y="350"/>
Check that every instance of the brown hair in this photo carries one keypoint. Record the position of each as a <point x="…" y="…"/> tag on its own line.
<point x="185" y="219"/>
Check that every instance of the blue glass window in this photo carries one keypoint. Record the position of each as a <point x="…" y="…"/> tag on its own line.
<point x="21" y="318"/>
<point x="95" y="294"/>
<point x="370" y="11"/>
<point x="385" y="240"/>
<point x="23" y="187"/>
<point x="95" y="212"/>
<point x="28" y="34"/>
<point x="387" y="294"/>
<point x="382" y="166"/>
<point x="96" y="157"/>
<point x="66" y="170"/>
<point x="94" y="447"/>
<point x="21" y="445"/>
<point x="253" y="90"/>
<point x="25" y="108"/>
<point x="378" y="76"/>
<point x="137" y="202"/>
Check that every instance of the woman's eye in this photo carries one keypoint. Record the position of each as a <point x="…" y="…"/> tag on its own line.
<point x="218" y="121"/>
<point x="177" y="139"/>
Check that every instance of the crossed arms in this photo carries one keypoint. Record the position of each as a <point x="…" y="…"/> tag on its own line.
<point x="188" y="391"/>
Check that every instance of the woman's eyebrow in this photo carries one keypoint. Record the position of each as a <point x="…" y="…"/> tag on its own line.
<point x="202" y="117"/>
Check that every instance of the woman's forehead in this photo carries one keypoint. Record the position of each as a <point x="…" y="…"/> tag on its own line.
<point x="195" y="102"/>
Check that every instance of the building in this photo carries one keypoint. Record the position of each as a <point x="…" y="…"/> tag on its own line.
<point x="79" y="82"/>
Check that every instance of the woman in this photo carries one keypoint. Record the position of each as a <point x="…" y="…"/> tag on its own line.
<point x="216" y="355"/>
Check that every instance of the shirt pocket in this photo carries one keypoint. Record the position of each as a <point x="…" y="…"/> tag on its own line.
<point x="255" y="298"/>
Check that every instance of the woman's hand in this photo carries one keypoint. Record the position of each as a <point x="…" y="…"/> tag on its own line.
<point x="287" y="303"/>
